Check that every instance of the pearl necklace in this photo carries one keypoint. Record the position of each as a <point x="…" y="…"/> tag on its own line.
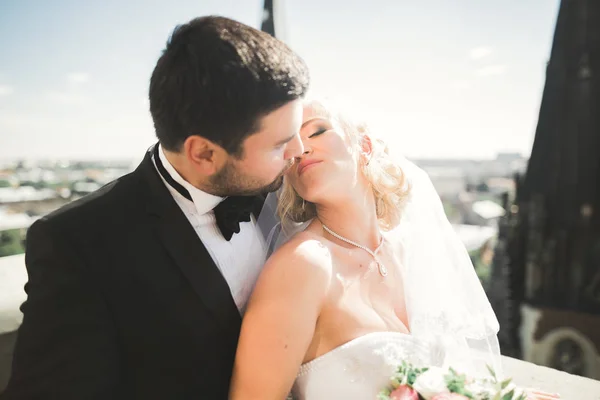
<point x="382" y="269"/>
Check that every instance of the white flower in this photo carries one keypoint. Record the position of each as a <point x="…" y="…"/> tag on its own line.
<point x="481" y="392"/>
<point x="484" y="389"/>
<point x="431" y="382"/>
<point x="511" y="386"/>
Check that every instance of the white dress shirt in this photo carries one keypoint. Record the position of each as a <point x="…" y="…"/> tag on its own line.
<point x="241" y="259"/>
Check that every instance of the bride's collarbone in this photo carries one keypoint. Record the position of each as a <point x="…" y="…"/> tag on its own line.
<point x="359" y="266"/>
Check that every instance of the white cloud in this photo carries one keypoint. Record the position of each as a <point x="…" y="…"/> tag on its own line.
<point x="5" y="90"/>
<point x="90" y="135"/>
<point x="18" y="121"/>
<point x="66" y="98"/>
<point x="72" y="94"/>
<point x="78" y="77"/>
<point x="491" y="70"/>
<point x="460" y="85"/>
<point x="478" y="53"/>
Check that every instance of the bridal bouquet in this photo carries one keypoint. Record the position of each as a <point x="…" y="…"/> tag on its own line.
<point x="410" y="383"/>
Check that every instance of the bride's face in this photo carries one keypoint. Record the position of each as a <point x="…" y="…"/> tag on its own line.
<point x="329" y="165"/>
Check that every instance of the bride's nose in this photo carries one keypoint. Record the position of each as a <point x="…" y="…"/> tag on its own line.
<point x="307" y="151"/>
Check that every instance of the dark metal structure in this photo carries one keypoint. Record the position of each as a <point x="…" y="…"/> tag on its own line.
<point x="268" y="18"/>
<point x="546" y="276"/>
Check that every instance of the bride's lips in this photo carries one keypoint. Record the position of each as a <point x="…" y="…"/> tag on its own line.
<point x="305" y="164"/>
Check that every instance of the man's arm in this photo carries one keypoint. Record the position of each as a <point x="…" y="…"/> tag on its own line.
<point x="66" y="346"/>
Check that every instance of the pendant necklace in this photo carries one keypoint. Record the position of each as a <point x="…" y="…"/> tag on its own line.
<point x="382" y="269"/>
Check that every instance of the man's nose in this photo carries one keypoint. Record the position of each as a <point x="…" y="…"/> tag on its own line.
<point x="295" y="148"/>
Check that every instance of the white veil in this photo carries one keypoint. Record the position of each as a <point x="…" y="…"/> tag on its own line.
<point x="445" y="300"/>
<point x="444" y="297"/>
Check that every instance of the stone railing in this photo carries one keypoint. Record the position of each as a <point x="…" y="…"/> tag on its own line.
<point x="13" y="277"/>
<point x="570" y="387"/>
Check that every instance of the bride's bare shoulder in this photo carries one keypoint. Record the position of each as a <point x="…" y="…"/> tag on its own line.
<point x="305" y="256"/>
<point x="305" y="248"/>
<point x="298" y="274"/>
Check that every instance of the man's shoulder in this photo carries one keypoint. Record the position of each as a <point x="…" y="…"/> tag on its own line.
<point x="91" y="208"/>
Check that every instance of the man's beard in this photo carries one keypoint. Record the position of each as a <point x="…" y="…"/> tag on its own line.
<point x="230" y="182"/>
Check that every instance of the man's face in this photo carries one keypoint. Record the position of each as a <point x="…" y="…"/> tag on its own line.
<point x="266" y="156"/>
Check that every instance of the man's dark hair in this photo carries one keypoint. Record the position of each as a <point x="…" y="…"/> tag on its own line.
<point x="217" y="78"/>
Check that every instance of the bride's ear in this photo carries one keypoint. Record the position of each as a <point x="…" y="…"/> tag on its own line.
<point x="366" y="147"/>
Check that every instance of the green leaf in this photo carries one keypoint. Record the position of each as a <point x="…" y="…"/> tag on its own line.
<point x="509" y="395"/>
<point x="406" y="374"/>
<point x="456" y="383"/>
<point x="491" y="372"/>
<point x="505" y="383"/>
<point x="384" y="394"/>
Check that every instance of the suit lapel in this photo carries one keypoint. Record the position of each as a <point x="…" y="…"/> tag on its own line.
<point x="187" y="250"/>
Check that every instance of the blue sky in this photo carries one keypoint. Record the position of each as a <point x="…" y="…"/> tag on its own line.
<point x="440" y="78"/>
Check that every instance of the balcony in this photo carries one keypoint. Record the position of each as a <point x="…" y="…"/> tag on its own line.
<point x="525" y="374"/>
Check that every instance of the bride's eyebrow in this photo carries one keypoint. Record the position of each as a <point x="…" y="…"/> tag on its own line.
<point x="313" y="119"/>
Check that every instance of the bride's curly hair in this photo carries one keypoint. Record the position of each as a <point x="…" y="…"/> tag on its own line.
<point x="382" y="171"/>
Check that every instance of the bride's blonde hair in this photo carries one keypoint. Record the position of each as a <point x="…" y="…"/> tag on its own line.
<point x="383" y="173"/>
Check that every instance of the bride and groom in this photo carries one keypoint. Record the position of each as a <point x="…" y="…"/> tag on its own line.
<point x="138" y="290"/>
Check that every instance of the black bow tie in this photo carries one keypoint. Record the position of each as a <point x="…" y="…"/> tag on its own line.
<point x="231" y="211"/>
<point x="228" y="213"/>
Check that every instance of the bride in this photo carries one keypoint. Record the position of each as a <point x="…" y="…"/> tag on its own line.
<point x="367" y="273"/>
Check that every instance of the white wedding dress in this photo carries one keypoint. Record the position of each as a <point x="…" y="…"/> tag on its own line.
<point x="360" y="368"/>
<point x="451" y="320"/>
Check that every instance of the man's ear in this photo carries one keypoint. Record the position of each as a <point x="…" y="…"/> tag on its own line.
<point x="205" y="156"/>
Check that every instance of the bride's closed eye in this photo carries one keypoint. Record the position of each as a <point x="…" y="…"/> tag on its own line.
<point x="320" y="131"/>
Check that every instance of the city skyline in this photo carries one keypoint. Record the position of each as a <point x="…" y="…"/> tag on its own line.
<point x="441" y="80"/>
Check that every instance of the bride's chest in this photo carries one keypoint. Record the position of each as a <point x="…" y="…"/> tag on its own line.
<point x="352" y="313"/>
<point x="360" y="293"/>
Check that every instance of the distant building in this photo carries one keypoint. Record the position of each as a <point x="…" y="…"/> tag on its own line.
<point x="9" y="221"/>
<point x="27" y="199"/>
<point x="474" y="237"/>
<point x="508" y="157"/>
<point x="25" y="194"/>
<point x="84" y="188"/>
<point x="484" y="213"/>
<point x="500" y="185"/>
<point x="448" y="181"/>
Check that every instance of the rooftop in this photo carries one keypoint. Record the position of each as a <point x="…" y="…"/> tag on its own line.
<point x="25" y="193"/>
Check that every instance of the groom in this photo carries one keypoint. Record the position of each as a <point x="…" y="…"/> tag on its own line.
<point x="137" y="291"/>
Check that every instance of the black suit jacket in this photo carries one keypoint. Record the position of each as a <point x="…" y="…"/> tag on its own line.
<point x="124" y="302"/>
